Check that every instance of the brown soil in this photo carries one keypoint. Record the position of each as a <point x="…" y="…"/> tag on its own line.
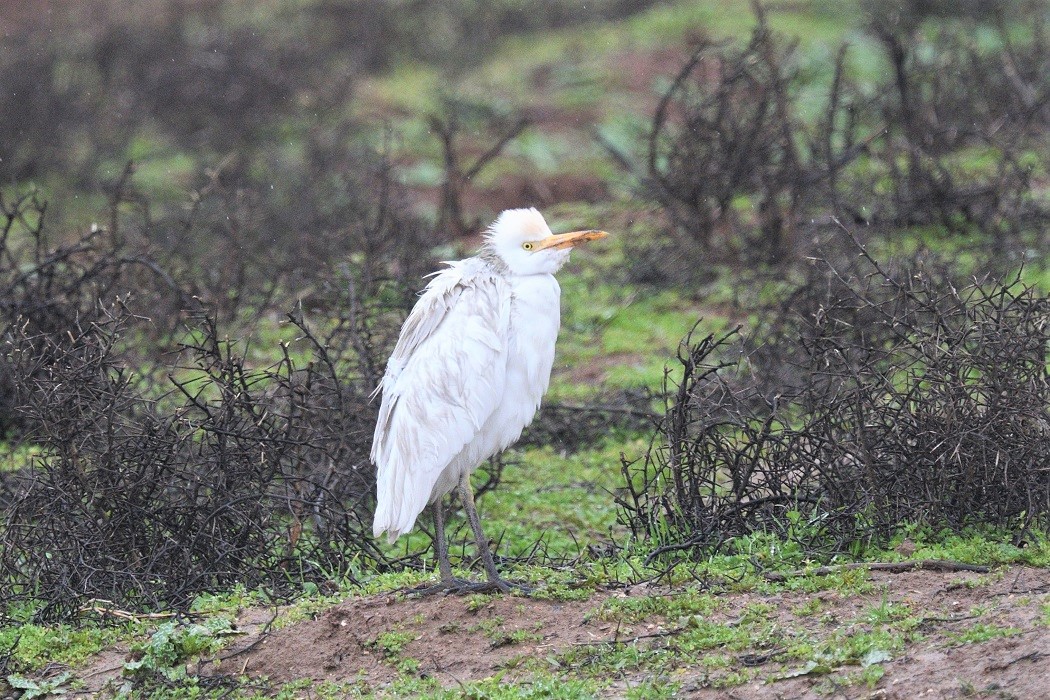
<point x="455" y="640"/>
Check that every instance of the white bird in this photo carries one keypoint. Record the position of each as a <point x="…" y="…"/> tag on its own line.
<point x="467" y="375"/>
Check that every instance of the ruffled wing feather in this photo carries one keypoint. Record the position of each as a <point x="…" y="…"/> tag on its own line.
<point x="443" y="381"/>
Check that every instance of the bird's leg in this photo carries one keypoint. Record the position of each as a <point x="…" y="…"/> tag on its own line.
<point x="467" y="496"/>
<point x="450" y="584"/>
<point x="441" y="543"/>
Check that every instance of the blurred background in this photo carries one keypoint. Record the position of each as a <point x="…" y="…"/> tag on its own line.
<point x="479" y="106"/>
<point x="216" y="213"/>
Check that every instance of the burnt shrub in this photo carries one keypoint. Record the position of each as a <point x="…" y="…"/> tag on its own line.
<point x="48" y="284"/>
<point x="95" y="82"/>
<point x="730" y="159"/>
<point x="733" y="138"/>
<point x="964" y="129"/>
<point x="248" y="111"/>
<point x="952" y="137"/>
<point x="571" y="427"/>
<point x="912" y="398"/>
<point x="457" y="118"/>
<point x="245" y="246"/>
<point x="169" y="460"/>
<point x="257" y="476"/>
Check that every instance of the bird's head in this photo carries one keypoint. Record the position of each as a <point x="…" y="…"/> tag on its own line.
<point x="524" y="242"/>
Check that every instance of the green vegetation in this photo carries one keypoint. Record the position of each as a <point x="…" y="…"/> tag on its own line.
<point x="14" y="456"/>
<point x="172" y="645"/>
<point x="34" y="646"/>
<point x="661" y="625"/>
<point x="981" y="632"/>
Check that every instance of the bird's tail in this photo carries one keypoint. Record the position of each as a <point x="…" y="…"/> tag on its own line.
<point x="398" y="504"/>
<point x="385" y="521"/>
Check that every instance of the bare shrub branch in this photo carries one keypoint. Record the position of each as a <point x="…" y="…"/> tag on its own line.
<point x="258" y="476"/>
<point x="952" y="137"/>
<point x="158" y="477"/>
<point x="458" y="174"/>
<point x="911" y="398"/>
<point x="727" y="129"/>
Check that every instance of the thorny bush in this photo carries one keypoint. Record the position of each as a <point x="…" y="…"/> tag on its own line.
<point x="340" y="220"/>
<point x="46" y="285"/>
<point x="168" y="459"/>
<point x="257" y="476"/>
<point x="911" y="398"/>
<point x="952" y="137"/>
<point x="725" y="129"/>
<point x="964" y="128"/>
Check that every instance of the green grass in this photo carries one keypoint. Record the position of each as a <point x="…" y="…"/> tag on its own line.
<point x="39" y="645"/>
<point x="661" y="634"/>
<point x="566" y="498"/>
<point x="981" y="632"/>
<point x="17" y="456"/>
<point x="632" y="334"/>
<point x="683" y="604"/>
<point x="694" y="629"/>
<point x="979" y="546"/>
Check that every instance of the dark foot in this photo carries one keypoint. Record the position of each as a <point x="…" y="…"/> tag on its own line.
<point x="458" y="586"/>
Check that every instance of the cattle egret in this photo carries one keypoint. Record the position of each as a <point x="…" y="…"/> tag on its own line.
<point x="467" y="375"/>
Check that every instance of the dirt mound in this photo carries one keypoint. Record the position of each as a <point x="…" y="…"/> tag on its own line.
<point x="938" y="661"/>
<point x="455" y="640"/>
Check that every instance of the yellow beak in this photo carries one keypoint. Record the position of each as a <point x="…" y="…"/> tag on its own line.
<point x="569" y="240"/>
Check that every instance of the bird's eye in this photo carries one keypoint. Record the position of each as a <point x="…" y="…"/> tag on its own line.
<point x="527" y="246"/>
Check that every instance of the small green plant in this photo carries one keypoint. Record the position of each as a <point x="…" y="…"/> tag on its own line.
<point x="733" y="678"/>
<point x="408" y="666"/>
<point x="477" y="601"/>
<point x="863" y="647"/>
<point x="809" y="608"/>
<point x="981" y="632"/>
<point x="518" y="636"/>
<point x="886" y="612"/>
<point x="869" y="676"/>
<point x="173" y="643"/>
<point x="653" y="689"/>
<point x="393" y="642"/>
<point x="872" y="674"/>
<point x="495" y="631"/>
<point x="31" y="688"/>
<point x="488" y="626"/>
